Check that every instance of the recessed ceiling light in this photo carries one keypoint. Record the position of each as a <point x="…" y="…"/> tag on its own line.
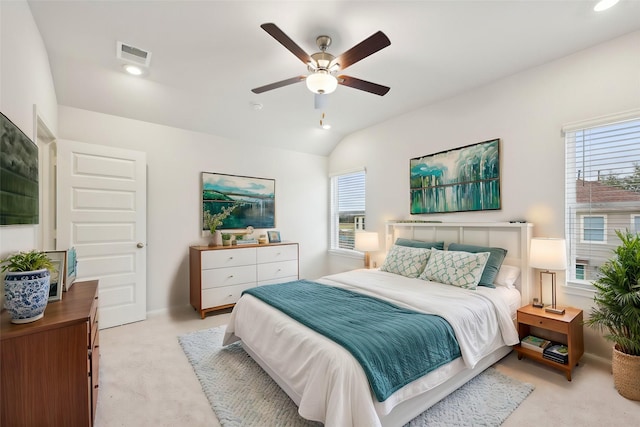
<point x="132" y="69"/>
<point x="604" y="5"/>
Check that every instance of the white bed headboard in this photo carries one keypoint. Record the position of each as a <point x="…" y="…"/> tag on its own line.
<point x="514" y="237"/>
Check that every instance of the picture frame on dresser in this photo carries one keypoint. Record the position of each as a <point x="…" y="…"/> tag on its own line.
<point x="274" y="236"/>
<point x="58" y="275"/>
<point x="72" y="269"/>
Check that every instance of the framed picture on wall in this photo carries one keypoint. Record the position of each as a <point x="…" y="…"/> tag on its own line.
<point x="274" y="236"/>
<point x="252" y="199"/>
<point x="56" y="280"/>
<point x="457" y="180"/>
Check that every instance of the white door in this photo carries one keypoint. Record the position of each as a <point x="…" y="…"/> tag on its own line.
<point x="101" y="211"/>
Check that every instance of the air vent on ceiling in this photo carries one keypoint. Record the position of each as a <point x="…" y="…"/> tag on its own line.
<point x="133" y="54"/>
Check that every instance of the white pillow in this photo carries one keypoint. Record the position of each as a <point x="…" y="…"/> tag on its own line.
<point x="457" y="268"/>
<point x="406" y="261"/>
<point x="507" y="276"/>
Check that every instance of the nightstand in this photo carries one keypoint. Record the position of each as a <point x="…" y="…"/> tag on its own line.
<point x="563" y="328"/>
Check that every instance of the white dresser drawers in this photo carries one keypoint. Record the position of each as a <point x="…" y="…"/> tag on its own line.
<point x="278" y="253"/>
<point x="228" y="258"/>
<point x="274" y="272"/>
<point x="219" y="274"/>
<point x="223" y="296"/>
<point x="227" y="276"/>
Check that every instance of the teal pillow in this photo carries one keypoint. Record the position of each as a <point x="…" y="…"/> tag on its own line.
<point x="496" y="258"/>
<point x="419" y="244"/>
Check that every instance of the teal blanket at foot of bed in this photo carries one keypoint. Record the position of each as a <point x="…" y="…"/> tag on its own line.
<point x="394" y="345"/>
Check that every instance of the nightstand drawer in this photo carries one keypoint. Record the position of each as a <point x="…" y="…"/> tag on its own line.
<point x="543" y="322"/>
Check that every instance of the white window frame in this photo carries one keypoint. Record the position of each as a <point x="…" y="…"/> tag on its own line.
<point x="604" y="229"/>
<point x="633" y="228"/>
<point x="577" y="286"/>
<point x="334" y="215"/>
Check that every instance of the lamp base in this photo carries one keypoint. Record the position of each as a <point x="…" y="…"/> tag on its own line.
<point x="554" y="310"/>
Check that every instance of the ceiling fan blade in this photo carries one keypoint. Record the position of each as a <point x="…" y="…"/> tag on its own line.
<point x="281" y="83"/>
<point x="371" y="45"/>
<point x="285" y="41"/>
<point x="363" y="85"/>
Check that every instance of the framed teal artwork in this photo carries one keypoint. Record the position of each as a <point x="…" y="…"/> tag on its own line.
<point x="457" y="180"/>
<point x="251" y="201"/>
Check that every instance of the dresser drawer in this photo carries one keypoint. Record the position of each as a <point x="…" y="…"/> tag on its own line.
<point x="280" y="280"/>
<point x="277" y="253"/>
<point x="277" y="270"/>
<point x="543" y="322"/>
<point x="225" y="295"/>
<point x="228" y="258"/>
<point x="217" y="277"/>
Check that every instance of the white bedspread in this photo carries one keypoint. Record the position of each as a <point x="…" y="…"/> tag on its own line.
<point x="326" y="381"/>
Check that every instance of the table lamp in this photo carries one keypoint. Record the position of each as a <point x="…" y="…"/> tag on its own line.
<point x="548" y="254"/>
<point x="366" y="241"/>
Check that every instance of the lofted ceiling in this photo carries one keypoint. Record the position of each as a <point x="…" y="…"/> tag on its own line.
<point x="206" y="56"/>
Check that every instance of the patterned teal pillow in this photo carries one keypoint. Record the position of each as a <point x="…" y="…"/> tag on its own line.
<point x="462" y="269"/>
<point x="405" y="261"/>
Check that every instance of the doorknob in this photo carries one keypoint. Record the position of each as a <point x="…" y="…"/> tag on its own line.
<point x="140" y="245"/>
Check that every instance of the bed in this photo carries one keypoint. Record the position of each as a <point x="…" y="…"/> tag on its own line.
<point x="327" y="382"/>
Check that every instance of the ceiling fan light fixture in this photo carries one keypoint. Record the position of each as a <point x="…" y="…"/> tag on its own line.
<point x="321" y="82"/>
<point x="604" y="5"/>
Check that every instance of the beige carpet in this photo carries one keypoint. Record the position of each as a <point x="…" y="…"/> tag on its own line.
<point x="146" y="380"/>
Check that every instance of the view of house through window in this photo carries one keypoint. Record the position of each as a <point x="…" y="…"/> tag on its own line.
<point x="347" y="209"/>
<point x="602" y="194"/>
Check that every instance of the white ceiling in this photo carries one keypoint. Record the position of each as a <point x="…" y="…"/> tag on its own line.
<point x="208" y="55"/>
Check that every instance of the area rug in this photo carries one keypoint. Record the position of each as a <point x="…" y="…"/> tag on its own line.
<point x="242" y="394"/>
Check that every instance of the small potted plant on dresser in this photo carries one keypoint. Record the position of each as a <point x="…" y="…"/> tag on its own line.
<point x="617" y="311"/>
<point x="26" y="285"/>
<point x="226" y="239"/>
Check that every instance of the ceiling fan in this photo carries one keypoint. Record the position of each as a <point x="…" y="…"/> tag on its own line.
<point x="324" y="67"/>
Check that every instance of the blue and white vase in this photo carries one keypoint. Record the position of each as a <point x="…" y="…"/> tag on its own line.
<point x="26" y="295"/>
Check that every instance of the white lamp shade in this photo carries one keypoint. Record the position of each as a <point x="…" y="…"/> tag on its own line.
<point x="367" y="241"/>
<point x="548" y="254"/>
<point x="321" y="82"/>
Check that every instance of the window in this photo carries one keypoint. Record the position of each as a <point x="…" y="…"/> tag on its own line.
<point x="593" y="229"/>
<point x="347" y="209"/>
<point x="602" y="192"/>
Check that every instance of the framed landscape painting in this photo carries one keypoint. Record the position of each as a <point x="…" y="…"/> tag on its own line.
<point x="457" y="180"/>
<point x="253" y="200"/>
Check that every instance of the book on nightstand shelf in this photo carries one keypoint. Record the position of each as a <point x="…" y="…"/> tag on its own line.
<point x="557" y="352"/>
<point x="534" y="343"/>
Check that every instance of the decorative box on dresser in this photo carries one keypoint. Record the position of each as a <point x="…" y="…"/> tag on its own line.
<point x="49" y="374"/>
<point x="564" y="328"/>
<point x="219" y="274"/>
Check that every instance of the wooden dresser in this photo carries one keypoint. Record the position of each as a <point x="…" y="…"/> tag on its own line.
<point x="219" y="274"/>
<point x="49" y="374"/>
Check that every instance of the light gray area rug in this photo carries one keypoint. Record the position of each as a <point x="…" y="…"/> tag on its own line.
<point x="242" y="394"/>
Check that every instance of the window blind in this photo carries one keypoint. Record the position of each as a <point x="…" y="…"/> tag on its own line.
<point x="347" y="209"/>
<point x="602" y="193"/>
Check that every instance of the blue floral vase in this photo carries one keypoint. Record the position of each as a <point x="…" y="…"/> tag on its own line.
<point x="26" y="295"/>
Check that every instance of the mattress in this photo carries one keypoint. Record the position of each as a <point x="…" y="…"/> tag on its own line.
<point x="324" y="379"/>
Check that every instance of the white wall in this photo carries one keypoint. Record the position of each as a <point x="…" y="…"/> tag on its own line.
<point x="25" y="81"/>
<point x="526" y="111"/>
<point x="175" y="160"/>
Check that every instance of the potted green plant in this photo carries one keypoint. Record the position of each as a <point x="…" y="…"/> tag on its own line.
<point x="226" y="239"/>
<point x="617" y="311"/>
<point x="26" y="285"/>
<point x="216" y="220"/>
